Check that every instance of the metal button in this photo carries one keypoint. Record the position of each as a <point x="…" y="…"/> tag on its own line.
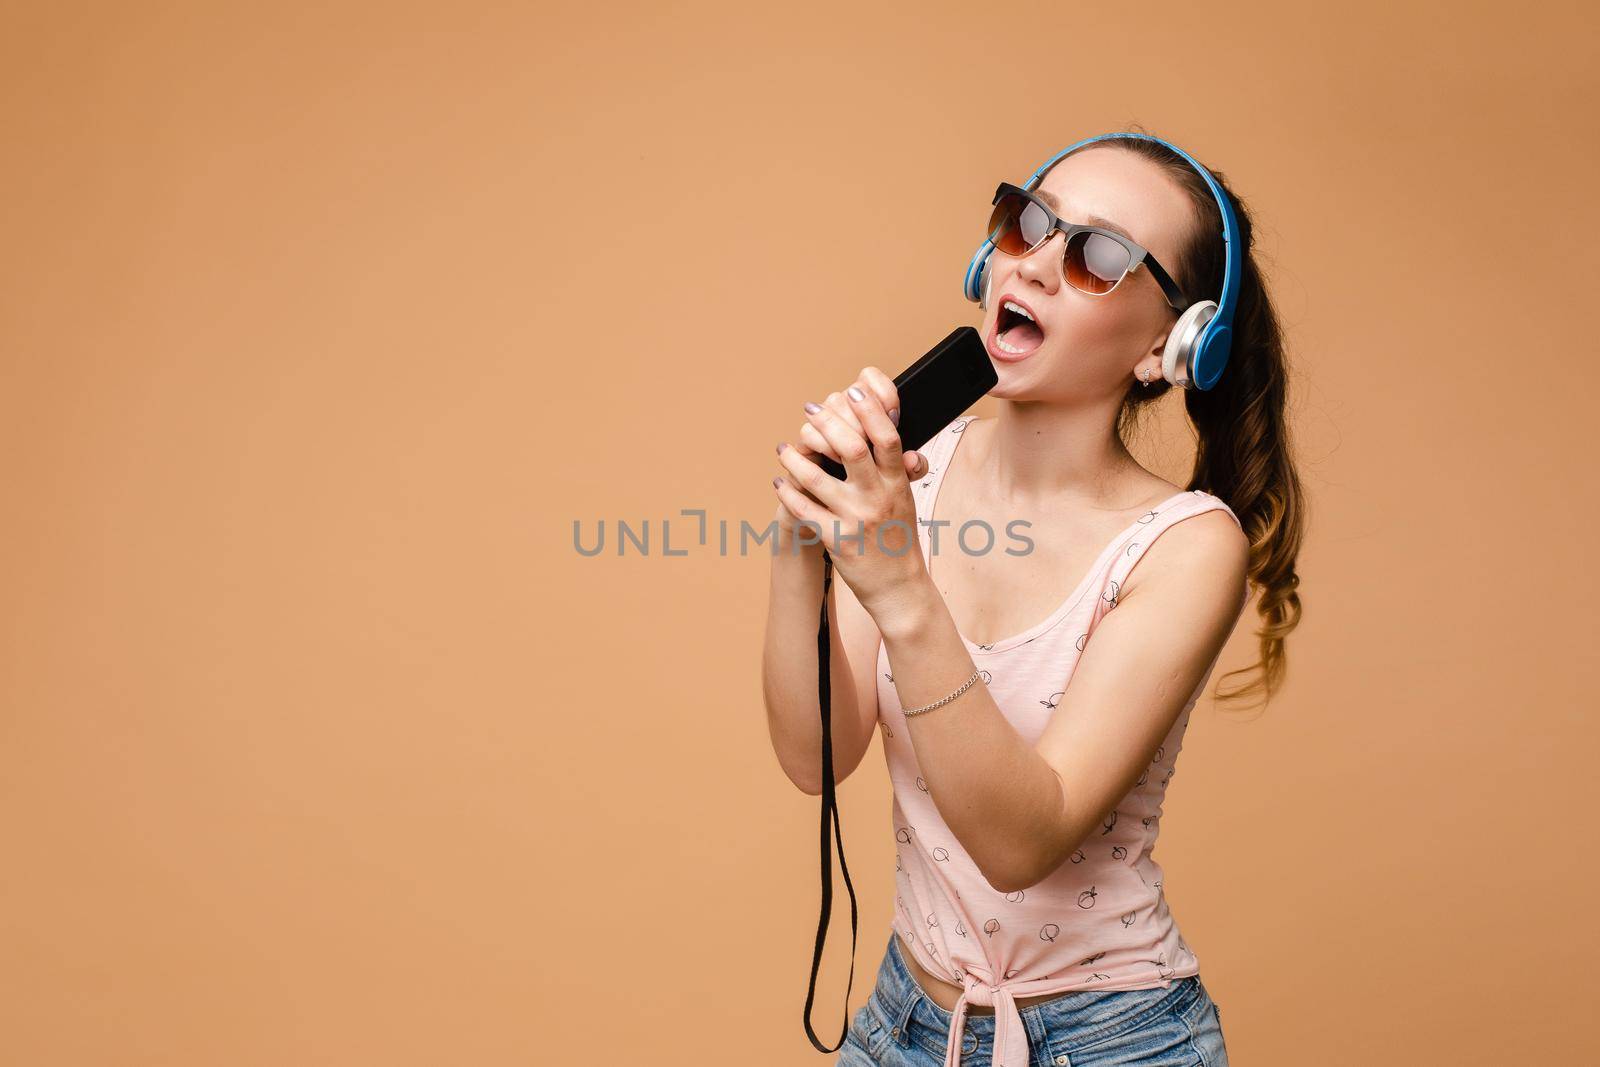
<point x="1061" y="1059"/>
<point x="895" y="1031"/>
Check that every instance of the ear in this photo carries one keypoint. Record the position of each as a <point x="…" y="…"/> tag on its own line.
<point x="1148" y="371"/>
<point x="1151" y="364"/>
<point x="1158" y="346"/>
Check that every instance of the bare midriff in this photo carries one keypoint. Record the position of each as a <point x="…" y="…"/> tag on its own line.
<point x="945" y="994"/>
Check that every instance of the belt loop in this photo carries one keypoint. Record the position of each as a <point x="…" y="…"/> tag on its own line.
<point x="1039" y="1038"/>
<point x="902" y="1024"/>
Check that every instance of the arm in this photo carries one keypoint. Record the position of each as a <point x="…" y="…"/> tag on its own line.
<point x="1174" y="613"/>
<point x="789" y="657"/>
<point x="789" y="669"/>
<point x="1020" y="810"/>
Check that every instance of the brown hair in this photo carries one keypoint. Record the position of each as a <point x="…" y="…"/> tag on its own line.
<point x="1243" y="454"/>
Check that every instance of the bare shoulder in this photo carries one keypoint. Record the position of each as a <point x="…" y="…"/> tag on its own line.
<point x="1197" y="553"/>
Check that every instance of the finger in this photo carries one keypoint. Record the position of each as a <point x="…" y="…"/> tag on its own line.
<point x="916" y="465"/>
<point x="811" y="440"/>
<point x="888" y="394"/>
<point x="880" y="431"/>
<point x="839" y="404"/>
<point x="803" y="507"/>
<point x="847" y="444"/>
<point x="812" y="443"/>
<point x="806" y="476"/>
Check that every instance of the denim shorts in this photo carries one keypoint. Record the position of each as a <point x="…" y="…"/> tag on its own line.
<point x="901" y="1027"/>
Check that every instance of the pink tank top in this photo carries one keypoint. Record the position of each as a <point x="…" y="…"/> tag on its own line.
<point x="1100" y="921"/>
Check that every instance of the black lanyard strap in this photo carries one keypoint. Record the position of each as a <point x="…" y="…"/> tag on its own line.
<point x="830" y="807"/>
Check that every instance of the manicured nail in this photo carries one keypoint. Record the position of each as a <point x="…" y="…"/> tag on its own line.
<point x="855" y="394"/>
<point x="894" y="416"/>
<point x="780" y="447"/>
<point x="812" y="409"/>
<point x="776" y="482"/>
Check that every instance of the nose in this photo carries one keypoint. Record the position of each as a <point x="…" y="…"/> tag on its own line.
<point x="1043" y="264"/>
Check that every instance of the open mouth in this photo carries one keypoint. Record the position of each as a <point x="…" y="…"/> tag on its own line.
<point x="1016" y="333"/>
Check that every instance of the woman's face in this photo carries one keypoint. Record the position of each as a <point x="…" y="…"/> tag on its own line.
<point x="1093" y="346"/>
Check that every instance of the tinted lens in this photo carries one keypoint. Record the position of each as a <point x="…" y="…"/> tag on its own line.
<point x="1016" y="225"/>
<point x="1095" y="263"/>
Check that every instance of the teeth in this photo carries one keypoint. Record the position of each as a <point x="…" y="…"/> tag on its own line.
<point x="1012" y="305"/>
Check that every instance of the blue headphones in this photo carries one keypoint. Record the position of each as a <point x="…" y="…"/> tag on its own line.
<point x="1197" y="348"/>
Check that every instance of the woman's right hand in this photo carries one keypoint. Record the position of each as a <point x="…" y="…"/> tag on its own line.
<point x="811" y="443"/>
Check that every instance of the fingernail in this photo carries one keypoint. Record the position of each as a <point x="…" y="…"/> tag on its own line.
<point x="894" y="416"/>
<point x="812" y="409"/>
<point x="780" y="447"/>
<point x="855" y="394"/>
<point x="776" y="482"/>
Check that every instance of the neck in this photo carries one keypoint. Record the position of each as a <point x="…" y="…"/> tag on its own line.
<point x="1041" y="453"/>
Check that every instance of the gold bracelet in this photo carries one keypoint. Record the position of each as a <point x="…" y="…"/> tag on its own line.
<point x="945" y="700"/>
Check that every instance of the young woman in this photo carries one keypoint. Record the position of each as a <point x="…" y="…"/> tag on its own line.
<point x="1030" y="738"/>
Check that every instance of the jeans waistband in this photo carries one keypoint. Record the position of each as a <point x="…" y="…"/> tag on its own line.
<point x="1069" y="1021"/>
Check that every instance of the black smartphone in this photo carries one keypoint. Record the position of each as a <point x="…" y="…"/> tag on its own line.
<point x="936" y="389"/>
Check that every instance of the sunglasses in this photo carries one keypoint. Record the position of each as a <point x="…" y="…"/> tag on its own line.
<point x="1094" y="260"/>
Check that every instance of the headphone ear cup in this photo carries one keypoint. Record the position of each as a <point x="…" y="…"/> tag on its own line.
<point x="1212" y="358"/>
<point x="972" y="279"/>
<point x="983" y="285"/>
<point x="1183" y="341"/>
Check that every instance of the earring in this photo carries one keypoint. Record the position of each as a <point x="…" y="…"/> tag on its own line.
<point x="1144" y="376"/>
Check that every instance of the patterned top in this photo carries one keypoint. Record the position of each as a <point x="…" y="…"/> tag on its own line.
<point x="1100" y="921"/>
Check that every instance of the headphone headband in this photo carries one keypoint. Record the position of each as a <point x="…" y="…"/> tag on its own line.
<point x="1207" y="354"/>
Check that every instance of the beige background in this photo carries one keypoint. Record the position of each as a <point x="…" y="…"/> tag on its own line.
<point x="321" y="326"/>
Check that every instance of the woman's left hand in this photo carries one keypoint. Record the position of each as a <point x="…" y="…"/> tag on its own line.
<point x="868" y="522"/>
